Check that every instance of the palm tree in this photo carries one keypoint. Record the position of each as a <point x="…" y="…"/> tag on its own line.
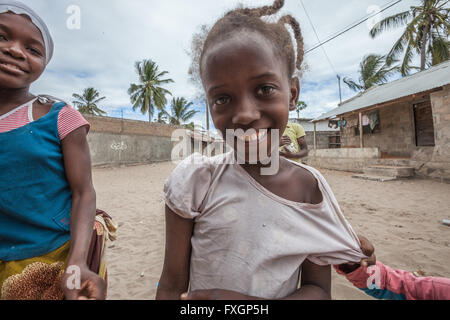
<point x="301" y="105"/>
<point x="87" y="103"/>
<point x="181" y="111"/>
<point x="163" y="116"/>
<point x="427" y="31"/>
<point x="373" y="70"/>
<point x="149" y="92"/>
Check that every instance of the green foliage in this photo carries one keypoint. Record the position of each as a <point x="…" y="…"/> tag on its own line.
<point x="373" y="70"/>
<point x="426" y="34"/>
<point x="181" y="111"/>
<point x="87" y="102"/>
<point x="149" y="93"/>
<point x="301" y="105"/>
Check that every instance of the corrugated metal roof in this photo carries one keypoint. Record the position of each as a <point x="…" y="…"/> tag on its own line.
<point x="429" y="79"/>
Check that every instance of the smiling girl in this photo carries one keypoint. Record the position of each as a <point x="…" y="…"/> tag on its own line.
<point x="47" y="200"/>
<point x="231" y="232"/>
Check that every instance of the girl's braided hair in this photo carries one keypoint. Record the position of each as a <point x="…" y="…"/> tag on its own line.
<point x="246" y="19"/>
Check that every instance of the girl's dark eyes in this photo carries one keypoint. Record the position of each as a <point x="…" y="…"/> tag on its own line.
<point x="221" y="101"/>
<point x="35" y="51"/>
<point x="265" y="90"/>
<point x="31" y="49"/>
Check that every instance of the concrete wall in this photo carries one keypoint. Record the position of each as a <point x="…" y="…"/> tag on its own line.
<point x="321" y="138"/>
<point x="396" y="136"/>
<point x="434" y="162"/>
<point x="348" y="159"/>
<point x="115" y="141"/>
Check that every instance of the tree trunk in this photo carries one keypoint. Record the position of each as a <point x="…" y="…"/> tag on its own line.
<point x="423" y="49"/>
<point x="148" y="106"/>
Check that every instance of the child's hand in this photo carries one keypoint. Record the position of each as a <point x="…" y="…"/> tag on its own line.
<point x="214" y="294"/>
<point x="92" y="287"/>
<point x="368" y="249"/>
<point x="285" y="141"/>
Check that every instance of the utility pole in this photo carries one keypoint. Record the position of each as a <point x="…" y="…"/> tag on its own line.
<point x="207" y="116"/>
<point x="340" y="93"/>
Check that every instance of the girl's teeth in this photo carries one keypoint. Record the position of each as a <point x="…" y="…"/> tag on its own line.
<point x="254" y="137"/>
<point x="10" y="66"/>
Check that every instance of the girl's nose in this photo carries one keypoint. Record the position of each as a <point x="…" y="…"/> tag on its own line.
<point x="246" y="113"/>
<point x="14" y="50"/>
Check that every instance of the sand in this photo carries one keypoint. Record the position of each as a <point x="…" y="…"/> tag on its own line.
<point x="401" y="218"/>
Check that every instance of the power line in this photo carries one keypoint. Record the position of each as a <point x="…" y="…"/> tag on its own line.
<point x="317" y="36"/>
<point x="324" y="51"/>
<point x="352" y="26"/>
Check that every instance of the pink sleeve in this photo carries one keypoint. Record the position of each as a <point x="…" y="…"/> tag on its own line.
<point x="69" y="120"/>
<point x="398" y="284"/>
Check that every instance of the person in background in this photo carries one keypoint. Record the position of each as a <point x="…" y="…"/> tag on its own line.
<point x="293" y="143"/>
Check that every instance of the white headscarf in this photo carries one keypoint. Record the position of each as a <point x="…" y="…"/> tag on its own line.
<point x="20" y="8"/>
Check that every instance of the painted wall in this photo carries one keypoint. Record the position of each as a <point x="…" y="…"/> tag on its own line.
<point x="115" y="141"/>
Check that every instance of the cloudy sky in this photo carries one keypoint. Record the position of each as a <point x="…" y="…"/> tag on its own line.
<point x="114" y="34"/>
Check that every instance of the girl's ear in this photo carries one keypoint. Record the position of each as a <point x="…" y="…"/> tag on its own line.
<point x="295" y="93"/>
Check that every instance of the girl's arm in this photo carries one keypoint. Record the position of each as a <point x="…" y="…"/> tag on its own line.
<point x="175" y="275"/>
<point x="77" y="164"/>
<point x="316" y="285"/>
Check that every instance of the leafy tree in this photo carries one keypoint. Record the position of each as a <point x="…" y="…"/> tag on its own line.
<point x="427" y="31"/>
<point x="149" y="93"/>
<point x="373" y="70"/>
<point x="181" y="111"/>
<point x="87" y="102"/>
<point x="301" y="105"/>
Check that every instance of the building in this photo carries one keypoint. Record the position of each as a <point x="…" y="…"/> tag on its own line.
<point x="326" y="136"/>
<point x="402" y="123"/>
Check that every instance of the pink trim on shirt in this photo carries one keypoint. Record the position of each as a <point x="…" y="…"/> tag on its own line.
<point x="69" y="120"/>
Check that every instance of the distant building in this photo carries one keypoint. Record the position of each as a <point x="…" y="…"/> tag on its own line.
<point x="326" y="136"/>
<point x="407" y="120"/>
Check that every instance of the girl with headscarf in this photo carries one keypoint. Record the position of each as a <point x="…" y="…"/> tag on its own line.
<point x="47" y="199"/>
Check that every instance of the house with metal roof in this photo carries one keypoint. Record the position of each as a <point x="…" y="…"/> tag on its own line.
<point x="404" y="123"/>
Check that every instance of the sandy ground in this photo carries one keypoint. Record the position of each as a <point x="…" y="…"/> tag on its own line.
<point x="401" y="218"/>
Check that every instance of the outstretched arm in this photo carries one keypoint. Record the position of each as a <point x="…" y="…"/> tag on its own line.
<point x="77" y="164"/>
<point x="175" y="275"/>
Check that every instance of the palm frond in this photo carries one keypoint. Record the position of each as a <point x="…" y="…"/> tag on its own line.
<point x="390" y="22"/>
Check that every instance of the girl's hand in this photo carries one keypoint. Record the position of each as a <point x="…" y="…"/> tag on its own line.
<point x="214" y="294"/>
<point x="368" y="249"/>
<point x="93" y="287"/>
